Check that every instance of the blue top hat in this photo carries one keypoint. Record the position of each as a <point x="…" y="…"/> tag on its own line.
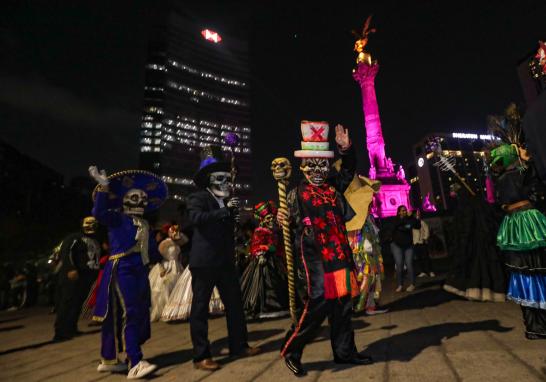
<point x="212" y="160"/>
<point x="123" y="181"/>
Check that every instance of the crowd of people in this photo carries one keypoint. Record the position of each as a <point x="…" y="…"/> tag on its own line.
<point x="215" y="265"/>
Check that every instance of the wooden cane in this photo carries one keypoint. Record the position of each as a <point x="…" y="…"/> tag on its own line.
<point x="281" y="172"/>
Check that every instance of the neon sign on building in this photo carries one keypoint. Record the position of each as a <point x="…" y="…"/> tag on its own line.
<point x="211" y="36"/>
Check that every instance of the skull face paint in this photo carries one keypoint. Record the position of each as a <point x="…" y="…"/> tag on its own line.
<point x="315" y="170"/>
<point x="220" y="184"/>
<point x="135" y="202"/>
<point x="89" y="225"/>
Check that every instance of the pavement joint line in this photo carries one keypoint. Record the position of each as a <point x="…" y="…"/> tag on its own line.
<point x="508" y="350"/>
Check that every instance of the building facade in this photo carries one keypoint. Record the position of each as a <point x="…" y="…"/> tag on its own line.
<point x="197" y="90"/>
<point x="430" y="185"/>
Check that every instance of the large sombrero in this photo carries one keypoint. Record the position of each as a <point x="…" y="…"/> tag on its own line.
<point x="212" y="160"/>
<point x="123" y="181"/>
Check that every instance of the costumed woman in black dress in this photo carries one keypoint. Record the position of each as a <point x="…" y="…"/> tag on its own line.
<point x="264" y="284"/>
<point x="476" y="272"/>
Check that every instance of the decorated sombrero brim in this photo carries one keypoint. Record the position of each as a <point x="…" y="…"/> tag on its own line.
<point x="123" y="181"/>
<point x="207" y="167"/>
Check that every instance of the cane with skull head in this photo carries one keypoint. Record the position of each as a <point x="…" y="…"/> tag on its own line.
<point x="282" y="169"/>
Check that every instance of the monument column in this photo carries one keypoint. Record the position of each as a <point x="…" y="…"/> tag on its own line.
<point x="365" y="74"/>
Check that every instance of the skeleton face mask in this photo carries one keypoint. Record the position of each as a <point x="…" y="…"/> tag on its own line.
<point x="281" y="168"/>
<point x="315" y="170"/>
<point x="268" y="221"/>
<point x="89" y="225"/>
<point x="134" y="202"/>
<point x="220" y="184"/>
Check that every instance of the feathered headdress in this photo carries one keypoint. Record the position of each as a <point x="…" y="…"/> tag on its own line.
<point x="508" y="128"/>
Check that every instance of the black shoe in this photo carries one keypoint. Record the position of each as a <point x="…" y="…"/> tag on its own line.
<point x="295" y="366"/>
<point x="57" y="338"/>
<point x="535" y="336"/>
<point x="355" y="359"/>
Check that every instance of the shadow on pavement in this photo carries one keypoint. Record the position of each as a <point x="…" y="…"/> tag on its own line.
<point x="44" y="343"/>
<point x="185" y="355"/>
<point x="406" y="346"/>
<point x="420" y="300"/>
<point x="11" y="319"/>
<point x="10" y="328"/>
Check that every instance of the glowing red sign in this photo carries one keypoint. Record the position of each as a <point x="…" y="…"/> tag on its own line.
<point x="211" y="36"/>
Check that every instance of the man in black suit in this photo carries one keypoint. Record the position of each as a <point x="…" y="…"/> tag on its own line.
<point x="213" y="211"/>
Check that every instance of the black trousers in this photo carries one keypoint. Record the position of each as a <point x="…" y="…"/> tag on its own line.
<point x="339" y="313"/>
<point x="424" y="263"/>
<point x="71" y="294"/>
<point x="535" y="320"/>
<point x="203" y="282"/>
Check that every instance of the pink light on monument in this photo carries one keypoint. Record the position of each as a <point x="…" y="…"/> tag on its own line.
<point x="394" y="190"/>
<point x="211" y="36"/>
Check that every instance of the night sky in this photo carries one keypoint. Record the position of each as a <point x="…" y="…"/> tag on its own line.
<point x="71" y="76"/>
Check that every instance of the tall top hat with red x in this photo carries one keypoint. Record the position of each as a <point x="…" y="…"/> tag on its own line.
<point x="315" y="140"/>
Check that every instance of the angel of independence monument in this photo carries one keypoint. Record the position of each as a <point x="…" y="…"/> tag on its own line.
<point x="394" y="189"/>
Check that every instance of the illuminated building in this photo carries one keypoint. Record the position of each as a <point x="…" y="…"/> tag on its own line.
<point x="427" y="180"/>
<point x="197" y="90"/>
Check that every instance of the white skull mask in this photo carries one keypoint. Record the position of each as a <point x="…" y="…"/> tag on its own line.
<point x="268" y="221"/>
<point x="220" y="184"/>
<point x="135" y="202"/>
<point x="316" y="170"/>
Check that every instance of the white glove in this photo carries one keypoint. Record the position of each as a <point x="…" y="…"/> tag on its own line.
<point x="233" y="203"/>
<point x="100" y="177"/>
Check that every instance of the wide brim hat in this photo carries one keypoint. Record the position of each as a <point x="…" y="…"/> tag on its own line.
<point x="121" y="182"/>
<point x="315" y="140"/>
<point x="207" y="167"/>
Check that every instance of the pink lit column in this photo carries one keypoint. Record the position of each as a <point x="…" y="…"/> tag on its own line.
<point x="394" y="189"/>
<point x="365" y="74"/>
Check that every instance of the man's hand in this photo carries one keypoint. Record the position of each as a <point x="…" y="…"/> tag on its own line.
<point x="342" y="138"/>
<point x="282" y="215"/>
<point x="100" y="177"/>
<point x="72" y="275"/>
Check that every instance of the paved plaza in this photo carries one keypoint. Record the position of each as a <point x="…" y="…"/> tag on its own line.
<point x="428" y="335"/>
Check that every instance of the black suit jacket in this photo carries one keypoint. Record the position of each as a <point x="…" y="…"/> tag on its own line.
<point x="213" y="243"/>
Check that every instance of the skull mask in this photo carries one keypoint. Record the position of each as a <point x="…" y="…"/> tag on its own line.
<point x="220" y="184"/>
<point x="281" y="168"/>
<point x="89" y="225"/>
<point x="135" y="202"/>
<point x="315" y="170"/>
<point x="268" y="221"/>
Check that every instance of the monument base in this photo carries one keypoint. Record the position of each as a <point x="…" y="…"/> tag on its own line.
<point x="391" y="195"/>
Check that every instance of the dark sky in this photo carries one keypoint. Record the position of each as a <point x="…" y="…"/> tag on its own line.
<point x="71" y="76"/>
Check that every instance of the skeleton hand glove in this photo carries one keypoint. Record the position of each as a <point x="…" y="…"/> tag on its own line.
<point x="100" y="177"/>
<point x="233" y="205"/>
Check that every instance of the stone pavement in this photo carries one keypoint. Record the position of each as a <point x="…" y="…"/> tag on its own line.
<point x="428" y="335"/>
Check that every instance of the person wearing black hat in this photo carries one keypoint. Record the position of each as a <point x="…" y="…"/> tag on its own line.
<point x="213" y="211"/>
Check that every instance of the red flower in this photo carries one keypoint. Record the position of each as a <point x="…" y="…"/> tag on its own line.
<point x="319" y="223"/>
<point x="331" y="217"/>
<point x="305" y="195"/>
<point x="327" y="253"/>
<point x="321" y="238"/>
<point x="317" y="202"/>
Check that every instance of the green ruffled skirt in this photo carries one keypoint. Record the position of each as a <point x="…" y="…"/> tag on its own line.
<point x="522" y="231"/>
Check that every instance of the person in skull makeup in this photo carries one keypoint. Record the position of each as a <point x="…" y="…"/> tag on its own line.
<point x="79" y="256"/>
<point x="264" y="287"/>
<point x="123" y="298"/>
<point x="213" y="212"/>
<point x="325" y="273"/>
